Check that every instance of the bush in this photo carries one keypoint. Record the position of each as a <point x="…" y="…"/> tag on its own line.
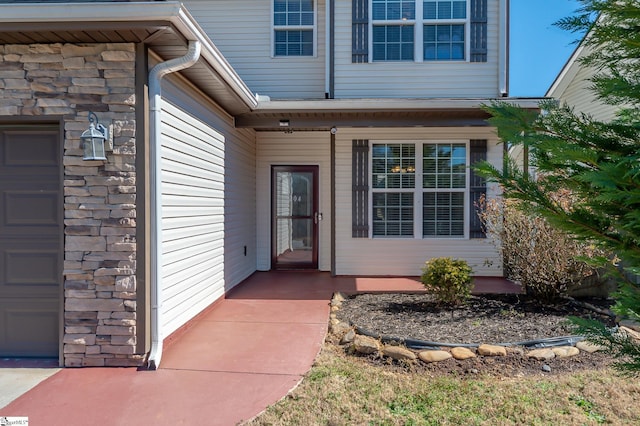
<point x="448" y="279"/>
<point x="543" y="259"/>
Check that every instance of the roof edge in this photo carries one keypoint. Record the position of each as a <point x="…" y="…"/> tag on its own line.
<point x="71" y="12"/>
<point x="388" y="104"/>
<point x="173" y="12"/>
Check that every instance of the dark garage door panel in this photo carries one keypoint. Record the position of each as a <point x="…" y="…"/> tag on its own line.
<point x="30" y="241"/>
<point x="29" y="327"/>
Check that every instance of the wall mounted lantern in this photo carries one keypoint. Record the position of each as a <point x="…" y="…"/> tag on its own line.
<point x="94" y="138"/>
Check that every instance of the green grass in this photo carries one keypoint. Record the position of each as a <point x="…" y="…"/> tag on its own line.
<point x="343" y="390"/>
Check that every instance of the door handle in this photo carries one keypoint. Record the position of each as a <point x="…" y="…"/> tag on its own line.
<point x="317" y="217"/>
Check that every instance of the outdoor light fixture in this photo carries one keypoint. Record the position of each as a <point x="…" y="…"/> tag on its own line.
<point x="284" y="125"/>
<point x="93" y="140"/>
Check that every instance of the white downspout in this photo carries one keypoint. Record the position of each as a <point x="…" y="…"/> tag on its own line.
<point x="155" y="97"/>
<point x="327" y="48"/>
<point x="503" y="49"/>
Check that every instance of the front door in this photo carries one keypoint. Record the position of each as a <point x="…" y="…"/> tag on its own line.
<point x="294" y="239"/>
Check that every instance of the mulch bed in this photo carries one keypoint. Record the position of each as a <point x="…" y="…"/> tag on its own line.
<point x="492" y="319"/>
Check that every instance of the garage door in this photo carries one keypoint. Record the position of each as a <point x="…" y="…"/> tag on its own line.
<point x="30" y="241"/>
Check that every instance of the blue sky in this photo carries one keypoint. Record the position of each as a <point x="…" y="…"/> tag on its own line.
<point x="539" y="49"/>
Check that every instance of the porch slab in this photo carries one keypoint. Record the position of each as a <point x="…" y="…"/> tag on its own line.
<point x="244" y="354"/>
<point x="247" y="347"/>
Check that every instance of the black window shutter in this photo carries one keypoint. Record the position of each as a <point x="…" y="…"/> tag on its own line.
<point x="478" y="187"/>
<point x="360" y="192"/>
<point x="478" y="31"/>
<point x="360" y="31"/>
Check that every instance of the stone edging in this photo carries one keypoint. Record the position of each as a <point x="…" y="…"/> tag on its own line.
<point x="365" y="344"/>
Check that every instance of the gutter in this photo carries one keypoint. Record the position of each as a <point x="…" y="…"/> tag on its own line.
<point x="155" y="96"/>
<point x="386" y="104"/>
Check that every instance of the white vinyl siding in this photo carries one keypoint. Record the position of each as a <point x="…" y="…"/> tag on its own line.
<point x="407" y="79"/>
<point x="207" y="212"/>
<point x="406" y="256"/>
<point x="583" y="99"/>
<point x="242" y="30"/>
<point x="288" y="149"/>
<point x="575" y="90"/>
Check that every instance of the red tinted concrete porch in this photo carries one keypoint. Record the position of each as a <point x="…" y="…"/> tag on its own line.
<point x="240" y="356"/>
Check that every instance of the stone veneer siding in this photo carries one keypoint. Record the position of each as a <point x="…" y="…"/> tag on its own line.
<point x="68" y="80"/>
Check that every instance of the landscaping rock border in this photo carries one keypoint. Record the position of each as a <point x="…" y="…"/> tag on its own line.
<point x="362" y="342"/>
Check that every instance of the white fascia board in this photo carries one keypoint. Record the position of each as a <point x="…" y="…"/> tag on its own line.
<point x="171" y="11"/>
<point x="568" y="72"/>
<point x="338" y="105"/>
<point x="94" y="12"/>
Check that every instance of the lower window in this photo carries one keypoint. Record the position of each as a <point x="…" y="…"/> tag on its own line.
<point x="393" y="214"/>
<point x="419" y="189"/>
<point x="294" y="43"/>
<point x="443" y="214"/>
<point x="443" y="42"/>
<point x="393" y="43"/>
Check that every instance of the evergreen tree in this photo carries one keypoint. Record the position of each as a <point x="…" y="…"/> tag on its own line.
<point x="597" y="162"/>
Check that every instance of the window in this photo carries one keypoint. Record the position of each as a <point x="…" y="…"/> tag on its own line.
<point x="444" y="30"/>
<point x="393" y="30"/>
<point x="393" y="167"/>
<point x="419" y="189"/>
<point x="293" y="27"/>
<point x="427" y="30"/>
<point x="444" y="183"/>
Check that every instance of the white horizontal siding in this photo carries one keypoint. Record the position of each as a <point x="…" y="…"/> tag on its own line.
<point x="579" y="95"/>
<point x="191" y="151"/>
<point x="298" y="148"/>
<point x="413" y="79"/>
<point x="242" y="32"/>
<point x="390" y="256"/>
<point x="208" y="183"/>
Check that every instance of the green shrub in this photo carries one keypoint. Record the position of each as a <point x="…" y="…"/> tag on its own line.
<point x="448" y="279"/>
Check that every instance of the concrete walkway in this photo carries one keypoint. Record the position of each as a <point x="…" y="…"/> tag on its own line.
<point x="240" y="356"/>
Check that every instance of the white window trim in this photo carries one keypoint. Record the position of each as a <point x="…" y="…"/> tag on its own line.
<point x="418" y="190"/>
<point x="313" y="27"/>
<point x="418" y="32"/>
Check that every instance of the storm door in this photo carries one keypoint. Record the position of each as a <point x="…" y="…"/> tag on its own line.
<point x="294" y="224"/>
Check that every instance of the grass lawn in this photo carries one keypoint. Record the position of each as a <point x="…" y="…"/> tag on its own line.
<point x="345" y="390"/>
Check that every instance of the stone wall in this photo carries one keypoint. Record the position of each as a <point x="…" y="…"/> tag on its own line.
<point x="99" y="197"/>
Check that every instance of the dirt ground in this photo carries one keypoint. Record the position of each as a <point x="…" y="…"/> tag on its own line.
<point x="492" y="319"/>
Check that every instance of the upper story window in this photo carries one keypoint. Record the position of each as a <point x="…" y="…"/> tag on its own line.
<point x="444" y="30"/>
<point x="420" y="30"/>
<point x="393" y="30"/>
<point x="293" y="27"/>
